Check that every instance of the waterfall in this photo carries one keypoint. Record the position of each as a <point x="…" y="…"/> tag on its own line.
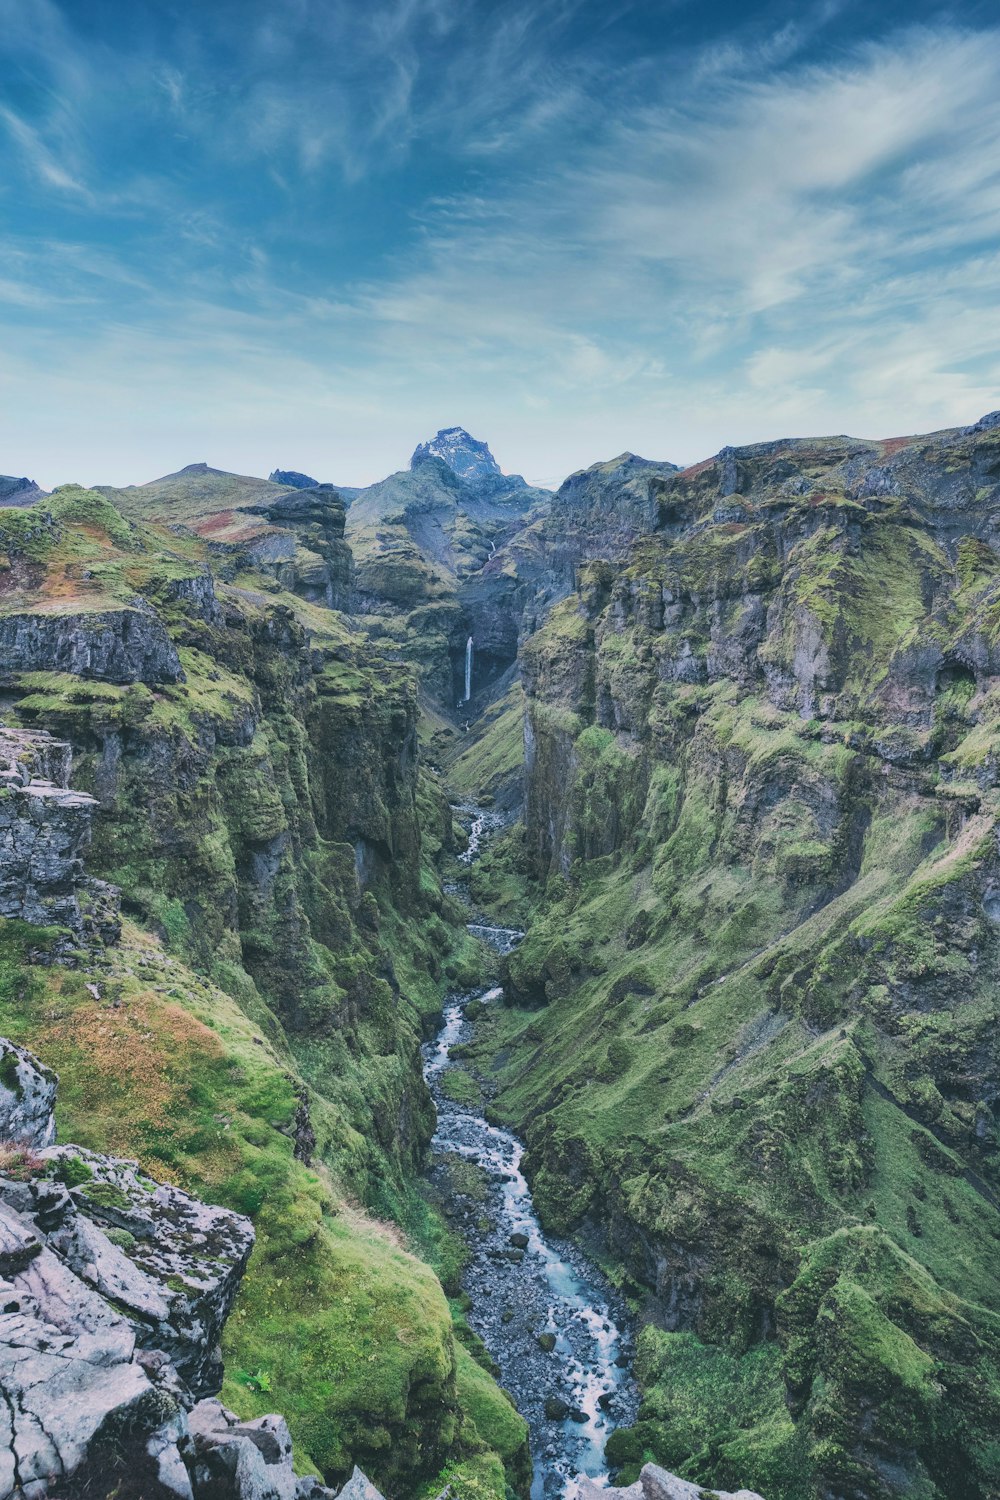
<point x="468" y="670"/>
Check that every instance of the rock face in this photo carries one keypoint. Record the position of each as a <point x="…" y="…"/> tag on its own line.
<point x="321" y="564"/>
<point x="120" y="645"/>
<point x="113" y="1293"/>
<point x="292" y="479"/>
<point x="762" y="765"/>
<point x="178" y="1274"/>
<point x="19" y="491"/>
<point x="423" y="541"/>
<point x="45" y="829"/>
<point x="470" y="459"/>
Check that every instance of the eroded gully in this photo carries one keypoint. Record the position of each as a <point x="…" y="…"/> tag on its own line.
<point x="553" y="1324"/>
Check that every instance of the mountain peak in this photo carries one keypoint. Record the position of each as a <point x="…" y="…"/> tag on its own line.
<point x="467" y="457"/>
<point x="18" y="491"/>
<point x="292" y="479"/>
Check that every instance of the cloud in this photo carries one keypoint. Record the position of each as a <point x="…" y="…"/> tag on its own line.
<point x="349" y="225"/>
<point x="42" y="162"/>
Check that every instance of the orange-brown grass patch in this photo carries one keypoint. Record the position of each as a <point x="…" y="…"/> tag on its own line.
<point x="231" y="526"/>
<point x="693" y="470"/>
<point x="888" y="446"/>
<point x="130" y="1065"/>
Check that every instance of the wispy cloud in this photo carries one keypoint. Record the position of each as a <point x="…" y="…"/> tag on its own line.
<point x="347" y="224"/>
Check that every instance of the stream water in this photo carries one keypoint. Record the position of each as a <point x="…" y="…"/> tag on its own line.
<point x="549" y="1318"/>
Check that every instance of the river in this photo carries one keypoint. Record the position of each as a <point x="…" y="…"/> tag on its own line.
<point x="549" y="1318"/>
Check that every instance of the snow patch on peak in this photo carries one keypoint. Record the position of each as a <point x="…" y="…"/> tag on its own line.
<point x="467" y="457"/>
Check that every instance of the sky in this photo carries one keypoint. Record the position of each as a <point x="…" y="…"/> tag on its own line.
<point x="308" y="234"/>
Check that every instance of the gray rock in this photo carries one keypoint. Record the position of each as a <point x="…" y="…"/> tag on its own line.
<point x="45" y="829"/>
<point x="308" y="1488"/>
<point x="59" y="1389"/>
<point x="27" y="1097"/>
<point x="113" y="645"/>
<point x="659" y="1484"/>
<point x="180" y="1277"/>
<point x="227" y="1467"/>
<point x="359" y="1487"/>
<point x="655" y="1483"/>
<point x="246" y="1460"/>
<point x="292" y="479"/>
<point x="467" y="457"/>
<point x="21" y="491"/>
<point x="18" y="1243"/>
<point x="103" y="1350"/>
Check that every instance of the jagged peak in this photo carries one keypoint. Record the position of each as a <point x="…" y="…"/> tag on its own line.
<point x="467" y="457"/>
<point x="292" y="479"/>
<point x="19" y="491"/>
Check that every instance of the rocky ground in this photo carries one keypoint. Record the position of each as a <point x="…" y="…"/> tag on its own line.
<point x="114" y="1290"/>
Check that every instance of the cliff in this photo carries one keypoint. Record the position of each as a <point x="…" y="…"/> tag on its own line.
<point x="423" y="540"/>
<point x="752" y="1038"/>
<point x="253" y="1035"/>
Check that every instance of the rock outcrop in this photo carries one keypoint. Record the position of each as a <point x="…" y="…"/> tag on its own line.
<point x="112" y="645"/>
<point x="655" y="1483"/>
<point x="21" y="491"/>
<point x="113" y="1293"/>
<point x="45" y="829"/>
<point x="292" y="479"/>
<point x="321" y="567"/>
<point x="470" y="459"/>
<point x="27" y="1098"/>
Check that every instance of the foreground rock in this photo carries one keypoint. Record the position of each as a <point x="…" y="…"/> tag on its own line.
<point x="655" y="1483"/>
<point x="113" y="1293"/>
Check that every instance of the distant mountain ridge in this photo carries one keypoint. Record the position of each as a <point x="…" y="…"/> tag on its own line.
<point x="21" y="491"/>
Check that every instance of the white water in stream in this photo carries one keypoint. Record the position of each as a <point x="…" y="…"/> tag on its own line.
<point x="539" y="1287"/>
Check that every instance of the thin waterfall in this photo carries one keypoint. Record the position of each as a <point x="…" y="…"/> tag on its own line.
<point x="468" y="670"/>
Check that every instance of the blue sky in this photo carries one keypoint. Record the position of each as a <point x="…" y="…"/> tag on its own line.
<point x="308" y="234"/>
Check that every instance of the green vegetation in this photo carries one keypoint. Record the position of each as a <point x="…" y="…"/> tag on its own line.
<point x="752" y="1029"/>
<point x="256" y="1036"/>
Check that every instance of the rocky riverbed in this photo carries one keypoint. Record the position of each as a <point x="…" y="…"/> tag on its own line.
<point x="550" y="1320"/>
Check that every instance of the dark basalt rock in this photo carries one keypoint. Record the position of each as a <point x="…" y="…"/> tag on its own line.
<point x="292" y="478"/>
<point x="112" y="645"/>
<point x="45" y="829"/>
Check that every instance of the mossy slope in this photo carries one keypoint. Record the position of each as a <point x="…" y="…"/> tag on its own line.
<point x="277" y="844"/>
<point x="754" y="1041"/>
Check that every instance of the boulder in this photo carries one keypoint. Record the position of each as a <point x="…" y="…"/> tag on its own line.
<point x="27" y="1098"/>
<point x="179" y="1275"/>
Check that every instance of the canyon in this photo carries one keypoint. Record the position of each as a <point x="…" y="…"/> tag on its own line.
<point x="482" y="898"/>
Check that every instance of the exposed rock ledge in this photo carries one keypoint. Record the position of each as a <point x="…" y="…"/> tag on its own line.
<point x="113" y="1293"/>
<point x="113" y="645"/>
<point x="45" y="829"/>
